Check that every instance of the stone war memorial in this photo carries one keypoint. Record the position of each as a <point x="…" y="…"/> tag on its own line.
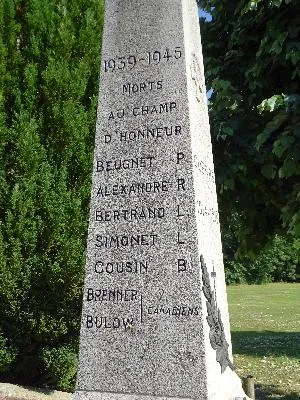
<point x="155" y="317"/>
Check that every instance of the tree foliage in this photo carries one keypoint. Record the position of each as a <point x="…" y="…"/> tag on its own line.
<point x="276" y="262"/>
<point x="49" y="61"/>
<point x="252" y="63"/>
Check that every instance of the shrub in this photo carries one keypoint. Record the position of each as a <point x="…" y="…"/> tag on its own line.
<point x="7" y="354"/>
<point x="276" y="262"/>
<point x="49" y="63"/>
<point x="61" y="364"/>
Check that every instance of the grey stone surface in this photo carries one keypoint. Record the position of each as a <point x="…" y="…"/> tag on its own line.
<point x="154" y="320"/>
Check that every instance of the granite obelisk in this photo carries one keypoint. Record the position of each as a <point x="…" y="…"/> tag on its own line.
<point x="154" y="320"/>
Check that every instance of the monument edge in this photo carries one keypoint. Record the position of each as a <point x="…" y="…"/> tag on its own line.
<point x="85" y="395"/>
<point x="227" y="385"/>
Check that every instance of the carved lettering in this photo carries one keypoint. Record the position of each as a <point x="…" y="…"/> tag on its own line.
<point x="176" y="311"/>
<point x="179" y="239"/>
<point x="133" y="189"/>
<point x="116" y="114"/>
<point x="181" y="264"/>
<point x="204" y="168"/>
<point x="181" y="183"/>
<point x="148" y="133"/>
<point x="180" y="157"/>
<point x="111" y="295"/>
<point x="121" y="267"/>
<point x="133" y="88"/>
<point x="98" y="322"/>
<point x="125" y="240"/>
<point x="107" y="139"/>
<point x="132" y="214"/>
<point x="163" y="108"/>
<point x="150" y="58"/>
<point x="129" y="163"/>
<point x="179" y="212"/>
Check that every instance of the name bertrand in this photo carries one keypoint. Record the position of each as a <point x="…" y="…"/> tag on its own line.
<point x="131" y="214"/>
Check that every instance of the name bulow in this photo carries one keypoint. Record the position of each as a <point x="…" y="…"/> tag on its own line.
<point x="125" y="240"/>
<point x="129" y="163"/>
<point x="131" y="214"/>
<point x="111" y="295"/>
<point x="104" y="322"/>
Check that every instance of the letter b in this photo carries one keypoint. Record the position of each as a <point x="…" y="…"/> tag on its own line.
<point x="181" y="265"/>
<point x="90" y="294"/>
<point x="89" y="321"/>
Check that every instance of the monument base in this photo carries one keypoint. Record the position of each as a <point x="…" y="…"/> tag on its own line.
<point x="83" y="395"/>
<point x="118" y="396"/>
<point x="233" y="391"/>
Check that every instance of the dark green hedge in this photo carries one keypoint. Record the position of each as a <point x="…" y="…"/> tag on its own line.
<point x="49" y="63"/>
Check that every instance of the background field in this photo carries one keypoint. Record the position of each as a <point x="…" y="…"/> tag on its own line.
<point x="265" y="324"/>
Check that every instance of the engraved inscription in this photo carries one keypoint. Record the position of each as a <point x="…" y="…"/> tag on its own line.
<point x="132" y="214"/>
<point x="144" y="110"/>
<point x="155" y="133"/>
<point x="163" y="108"/>
<point x="134" y="188"/>
<point x="196" y="75"/>
<point x="125" y="240"/>
<point x="204" y="168"/>
<point x="113" y="166"/>
<point x="150" y="58"/>
<point x="121" y="267"/>
<point x="181" y="265"/>
<point x="111" y="295"/>
<point x="147" y="86"/>
<point x="107" y="322"/>
<point x="207" y="211"/>
<point x="175" y="311"/>
<point x="128" y="163"/>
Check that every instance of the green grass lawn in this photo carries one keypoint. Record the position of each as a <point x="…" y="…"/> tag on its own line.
<point x="265" y="325"/>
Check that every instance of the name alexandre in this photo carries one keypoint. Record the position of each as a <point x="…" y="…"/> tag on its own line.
<point x="136" y="188"/>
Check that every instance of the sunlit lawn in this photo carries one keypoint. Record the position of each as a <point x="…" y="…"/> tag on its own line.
<point x="265" y="324"/>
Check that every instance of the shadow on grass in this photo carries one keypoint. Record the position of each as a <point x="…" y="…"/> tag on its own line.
<point x="272" y="393"/>
<point x="266" y="343"/>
